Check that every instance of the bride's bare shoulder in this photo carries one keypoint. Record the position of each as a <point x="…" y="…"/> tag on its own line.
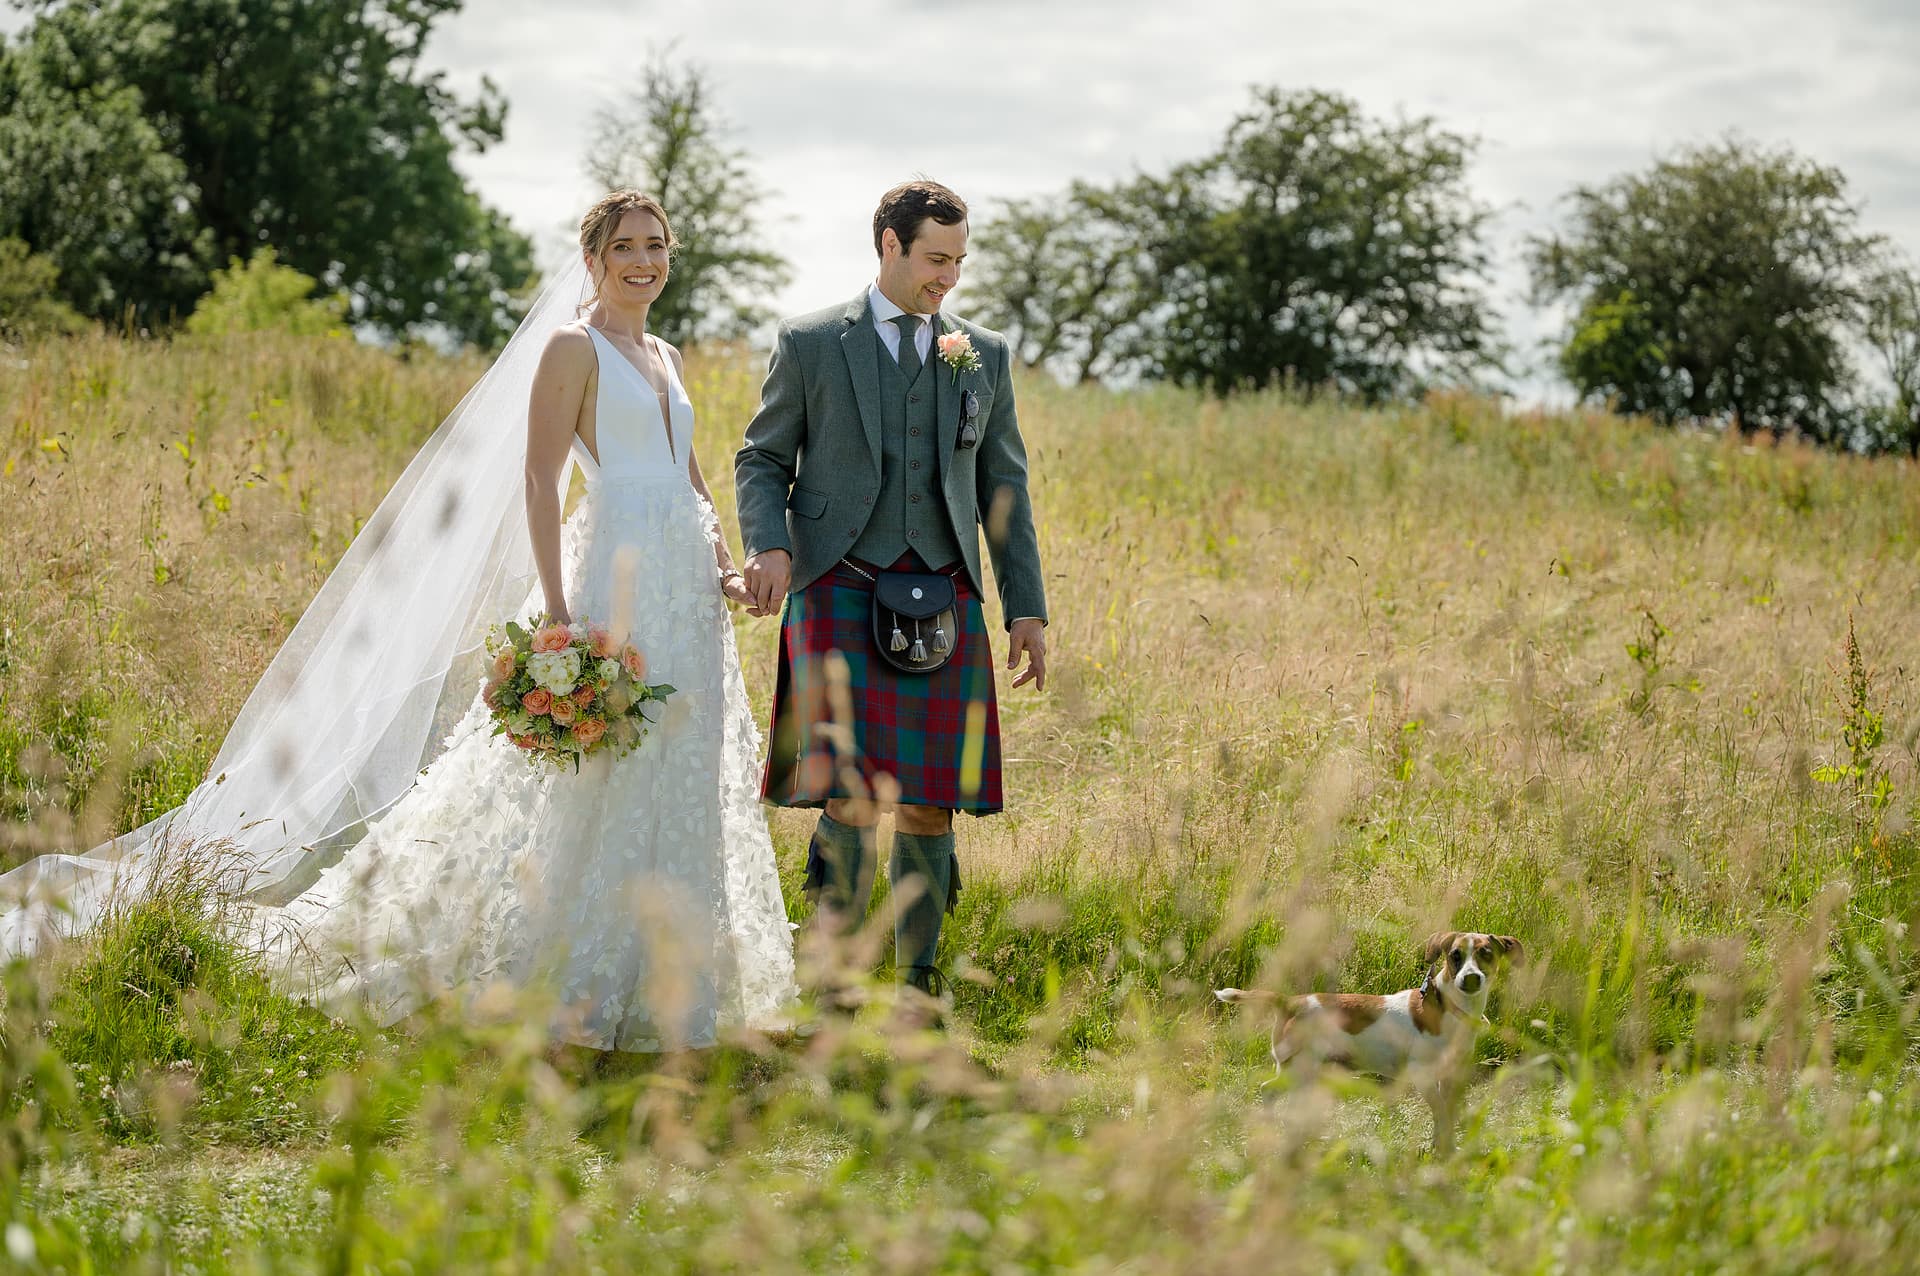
<point x="569" y="349"/>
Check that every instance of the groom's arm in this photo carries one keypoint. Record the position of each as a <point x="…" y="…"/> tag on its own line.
<point x="1006" y="512"/>
<point x="763" y="471"/>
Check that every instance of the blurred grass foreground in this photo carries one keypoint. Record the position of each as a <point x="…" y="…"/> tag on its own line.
<point x="1323" y="680"/>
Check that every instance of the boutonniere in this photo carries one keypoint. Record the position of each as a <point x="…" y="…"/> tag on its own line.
<point x="957" y="352"/>
<point x="969" y="414"/>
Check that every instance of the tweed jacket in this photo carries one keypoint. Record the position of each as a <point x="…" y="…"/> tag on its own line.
<point x="806" y="478"/>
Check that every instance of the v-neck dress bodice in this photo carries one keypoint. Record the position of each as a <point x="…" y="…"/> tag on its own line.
<point x="633" y="441"/>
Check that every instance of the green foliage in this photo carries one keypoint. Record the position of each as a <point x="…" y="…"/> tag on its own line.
<point x="1274" y="758"/>
<point x="1079" y="955"/>
<point x="1892" y="331"/>
<point x="666" y="138"/>
<point x="1863" y="730"/>
<point x="143" y="142"/>
<point x="1065" y="278"/>
<point x="1317" y="247"/>
<point x="66" y="757"/>
<point x="1614" y="343"/>
<point x="1715" y="286"/>
<point x="89" y="180"/>
<point x="260" y="295"/>
<point x="162" y="1018"/>
<point x="29" y="300"/>
<point x="1322" y="248"/>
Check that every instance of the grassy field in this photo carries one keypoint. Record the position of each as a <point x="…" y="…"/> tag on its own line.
<point x="1323" y="681"/>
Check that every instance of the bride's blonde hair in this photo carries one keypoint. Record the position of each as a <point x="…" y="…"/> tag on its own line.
<point x="597" y="227"/>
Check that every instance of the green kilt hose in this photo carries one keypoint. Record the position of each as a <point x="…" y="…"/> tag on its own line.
<point x="936" y="735"/>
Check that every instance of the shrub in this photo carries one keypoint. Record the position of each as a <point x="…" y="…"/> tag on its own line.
<point x="29" y="304"/>
<point x="261" y="295"/>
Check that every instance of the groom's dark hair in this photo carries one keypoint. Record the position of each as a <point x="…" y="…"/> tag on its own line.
<point x="910" y="203"/>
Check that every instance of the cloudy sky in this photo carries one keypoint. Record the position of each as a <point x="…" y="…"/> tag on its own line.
<point x="1011" y="98"/>
<point x="1014" y="98"/>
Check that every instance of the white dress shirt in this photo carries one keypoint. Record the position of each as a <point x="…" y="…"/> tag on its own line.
<point x="884" y="312"/>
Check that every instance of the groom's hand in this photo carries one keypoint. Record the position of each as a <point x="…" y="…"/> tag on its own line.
<point x="1028" y="637"/>
<point x="768" y="574"/>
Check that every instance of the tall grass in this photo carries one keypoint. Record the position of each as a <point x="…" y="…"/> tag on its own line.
<point x="1323" y="680"/>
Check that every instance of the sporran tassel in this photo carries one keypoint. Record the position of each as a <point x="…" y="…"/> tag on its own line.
<point x="899" y="640"/>
<point x="919" y="653"/>
<point x="940" y="643"/>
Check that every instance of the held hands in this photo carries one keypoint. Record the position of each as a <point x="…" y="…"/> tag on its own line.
<point x="734" y="586"/>
<point x="1028" y="637"/>
<point x="768" y="575"/>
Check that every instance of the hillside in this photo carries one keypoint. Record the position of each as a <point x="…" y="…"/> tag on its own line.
<point x="1323" y="680"/>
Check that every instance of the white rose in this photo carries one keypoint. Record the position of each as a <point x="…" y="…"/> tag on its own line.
<point x="609" y="670"/>
<point x="557" y="671"/>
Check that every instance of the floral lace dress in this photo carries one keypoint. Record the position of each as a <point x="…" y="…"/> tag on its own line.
<point x="639" y="894"/>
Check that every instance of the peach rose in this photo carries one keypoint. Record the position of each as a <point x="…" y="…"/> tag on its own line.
<point x="522" y="741"/>
<point x="599" y="641"/>
<point x="635" y="662"/>
<point x="587" y="731"/>
<point x="553" y="638"/>
<point x="503" y="664"/>
<point x="564" y="711"/>
<point x="539" y="700"/>
<point x="583" y="696"/>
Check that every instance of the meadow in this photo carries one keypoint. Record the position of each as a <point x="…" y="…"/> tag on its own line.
<point x="1323" y="680"/>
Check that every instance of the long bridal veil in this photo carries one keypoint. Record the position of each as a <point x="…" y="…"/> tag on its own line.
<point x="385" y="659"/>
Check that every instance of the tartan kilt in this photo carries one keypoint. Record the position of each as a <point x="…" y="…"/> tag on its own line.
<point x="937" y="735"/>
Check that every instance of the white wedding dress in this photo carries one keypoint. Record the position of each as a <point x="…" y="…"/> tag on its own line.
<point x="638" y="896"/>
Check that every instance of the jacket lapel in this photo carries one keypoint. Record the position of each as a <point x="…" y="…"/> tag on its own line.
<point x="861" y="344"/>
<point x="946" y="395"/>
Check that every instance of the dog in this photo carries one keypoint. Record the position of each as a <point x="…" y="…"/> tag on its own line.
<point x="1423" y="1034"/>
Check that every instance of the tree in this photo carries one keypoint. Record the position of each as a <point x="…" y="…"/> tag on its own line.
<point x="205" y="129"/>
<point x="665" y="138"/>
<point x="1892" y="314"/>
<point x="86" y="181"/>
<point x="29" y="305"/>
<point x="1716" y="285"/>
<point x="1322" y="248"/>
<point x="1064" y="277"/>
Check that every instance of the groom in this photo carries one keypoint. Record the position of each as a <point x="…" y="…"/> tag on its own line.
<point x="879" y="445"/>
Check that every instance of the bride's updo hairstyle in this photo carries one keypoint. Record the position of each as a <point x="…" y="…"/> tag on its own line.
<point x="597" y="227"/>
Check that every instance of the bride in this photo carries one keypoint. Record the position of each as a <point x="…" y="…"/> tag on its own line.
<point x="639" y="894"/>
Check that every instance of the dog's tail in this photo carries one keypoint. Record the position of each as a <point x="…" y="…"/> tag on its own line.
<point x="1234" y="996"/>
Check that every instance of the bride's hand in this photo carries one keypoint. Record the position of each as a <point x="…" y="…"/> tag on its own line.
<point x="734" y="586"/>
<point x="559" y="615"/>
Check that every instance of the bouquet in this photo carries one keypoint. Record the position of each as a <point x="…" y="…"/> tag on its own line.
<point x="567" y="692"/>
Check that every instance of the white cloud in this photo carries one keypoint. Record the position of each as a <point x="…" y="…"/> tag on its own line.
<point x="1004" y="99"/>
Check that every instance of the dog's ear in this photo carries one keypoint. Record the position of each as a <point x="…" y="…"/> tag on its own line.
<point x="1437" y="943"/>
<point x="1511" y="948"/>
